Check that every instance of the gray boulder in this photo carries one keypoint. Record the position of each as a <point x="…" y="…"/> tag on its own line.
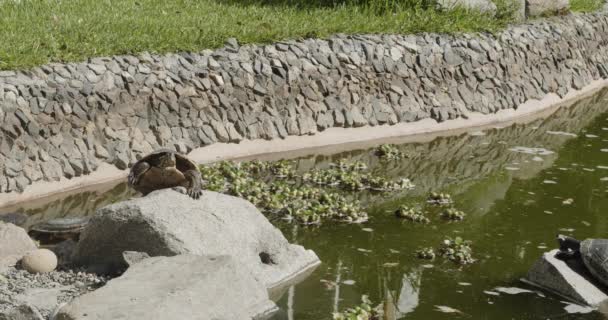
<point x="168" y="223"/>
<point x="481" y="5"/>
<point x="14" y="244"/>
<point x="570" y="280"/>
<point x="22" y="312"/>
<point x="180" y="287"/>
<point x="546" y="7"/>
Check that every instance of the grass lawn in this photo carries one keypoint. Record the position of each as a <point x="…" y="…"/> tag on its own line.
<point x="35" y="32"/>
<point x="586" y="5"/>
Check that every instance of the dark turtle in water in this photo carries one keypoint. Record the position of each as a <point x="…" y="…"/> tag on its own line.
<point x="15" y="218"/>
<point x="163" y="169"/>
<point x="593" y="253"/>
<point x="56" y="230"/>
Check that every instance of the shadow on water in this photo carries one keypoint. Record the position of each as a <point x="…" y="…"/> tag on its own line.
<point x="519" y="185"/>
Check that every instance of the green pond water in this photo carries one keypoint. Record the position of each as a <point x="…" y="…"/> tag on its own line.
<point x="519" y="185"/>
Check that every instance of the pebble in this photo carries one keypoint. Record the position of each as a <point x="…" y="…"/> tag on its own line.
<point x="39" y="261"/>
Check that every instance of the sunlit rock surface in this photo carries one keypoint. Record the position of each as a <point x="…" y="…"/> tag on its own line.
<point x="568" y="279"/>
<point x="179" y="287"/>
<point x="168" y="223"/>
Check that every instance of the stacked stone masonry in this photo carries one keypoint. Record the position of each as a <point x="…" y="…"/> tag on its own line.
<point x="63" y="120"/>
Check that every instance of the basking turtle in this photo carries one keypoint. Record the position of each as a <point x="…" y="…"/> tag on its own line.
<point x="55" y="230"/>
<point x="593" y="253"/>
<point x="163" y="169"/>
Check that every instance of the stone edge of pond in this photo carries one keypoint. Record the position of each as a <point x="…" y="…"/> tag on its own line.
<point x="65" y="126"/>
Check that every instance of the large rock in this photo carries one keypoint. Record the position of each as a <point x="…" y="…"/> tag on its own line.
<point x="481" y="5"/>
<point x="14" y="244"/>
<point x="570" y="280"/>
<point x="22" y="312"/>
<point x="181" y="287"/>
<point x="168" y="223"/>
<point x="536" y="8"/>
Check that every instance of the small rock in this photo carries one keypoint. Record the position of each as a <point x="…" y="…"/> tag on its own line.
<point x="14" y="243"/>
<point x="39" y="261"/>
<point x="133" y="257"/>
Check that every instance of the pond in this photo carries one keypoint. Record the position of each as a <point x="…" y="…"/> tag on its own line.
<point x="519" y="186"/>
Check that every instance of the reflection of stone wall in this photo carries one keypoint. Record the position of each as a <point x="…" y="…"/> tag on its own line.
<point x="464" y="160"/>
<point x="75" y="205"/>
<point x="64" y="120"/>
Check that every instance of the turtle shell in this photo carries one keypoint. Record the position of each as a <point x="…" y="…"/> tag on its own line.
<point x="594" y="253"/>
<point x="61" y="225"/>
<point x="181" y="162"/>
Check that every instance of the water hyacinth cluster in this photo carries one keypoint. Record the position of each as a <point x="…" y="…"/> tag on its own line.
<point x="277" y="190"/>
<point x="426" y="253"/>
<point x="411" y="214"/>
<point x="453" y="214"/>
<point x="390" y="152"/>
<point x="351" y="177"/>
<point x="457" y="250"/>
<point x="364" y="311"/>
<point x="440" y="199"/>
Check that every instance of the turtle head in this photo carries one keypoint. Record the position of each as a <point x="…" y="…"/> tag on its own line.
<point x="166" y="160"/>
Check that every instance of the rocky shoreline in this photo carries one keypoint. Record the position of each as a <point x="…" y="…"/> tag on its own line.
<point x="134" y="252"/>
<point x="65" y="120"/>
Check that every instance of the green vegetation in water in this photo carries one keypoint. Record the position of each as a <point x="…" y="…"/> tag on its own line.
<point x="351" y="177"/>
<point x="390" y="152"/>
<point x="411" y="214"/>
<point x="453" y="214"/>
<point x="279" y="197"/>
<point x="457" y="250"/>
<point x="39" y="32"/>
<point x="363" y="311"/>
<point x="440" y="199"/>
<point x="586" y="5"/>
<point x="426" y="253"/>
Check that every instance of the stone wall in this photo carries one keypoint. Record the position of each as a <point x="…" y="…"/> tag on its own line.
<point x="63" y="120"/>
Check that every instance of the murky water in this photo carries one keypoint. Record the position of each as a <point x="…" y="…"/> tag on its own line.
<point x="520" y="186"/>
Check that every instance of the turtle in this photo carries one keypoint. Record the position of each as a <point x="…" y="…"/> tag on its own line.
<point x="593" y="253"/>
<point x="55" y="230"/>
<point x="163" y="169"/>
<point x="15" y="218"/>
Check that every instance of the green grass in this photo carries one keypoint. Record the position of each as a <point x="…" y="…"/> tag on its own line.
<point x="586" y="5"/>
<point x="35" y="32"/>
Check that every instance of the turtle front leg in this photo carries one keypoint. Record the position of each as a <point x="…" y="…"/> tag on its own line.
<point x="195" y="183"/>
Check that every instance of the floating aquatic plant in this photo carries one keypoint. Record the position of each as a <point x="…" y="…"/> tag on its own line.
<point x="411" y="214"/>
<point x="270" y="187"/>
<point x="426" y="253"/>
<point x="440" y="199"/>
<point x="457" y="250"/>
<point x="364" y="311"/>
<point x="389" y="152"/>
<point x="453" y="214"/>
<point x="352" y="177"/>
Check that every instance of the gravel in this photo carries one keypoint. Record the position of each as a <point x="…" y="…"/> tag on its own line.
<point x="15" y="283"/>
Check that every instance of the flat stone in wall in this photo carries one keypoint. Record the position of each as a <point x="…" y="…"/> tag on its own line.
<point x="481" y="5"/>
<point x="64" y="120"/>
<point x="547" y="7"/>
